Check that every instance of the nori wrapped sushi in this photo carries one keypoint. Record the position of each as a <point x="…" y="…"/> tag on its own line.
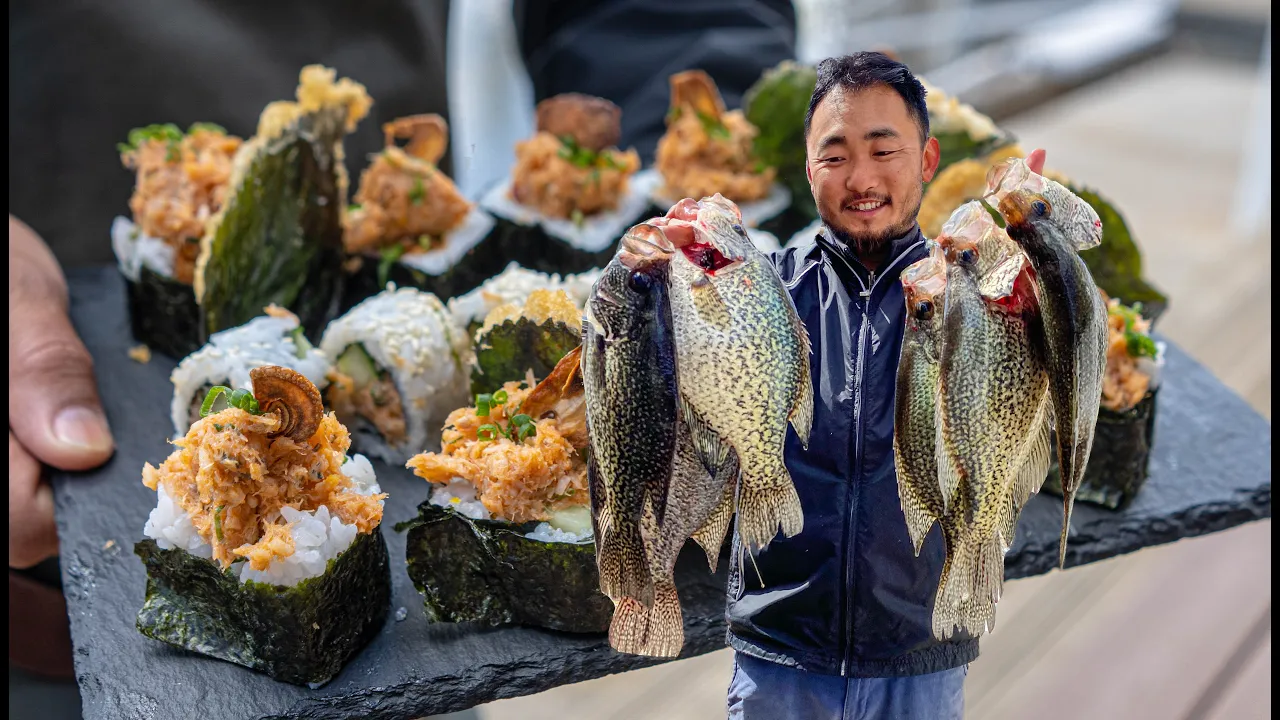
<point x="506" y="534"/>
<point x="531" y="338"/>
<point x="278" y="239"/>
<point x="513" y="286"/>
<point x="572" y="192"/>
<point x="708" y="150"/>
<point x="1117" y="466"/>
<point x="272" y="558"/>
<point x="411" y="226"/>
<point x="399" y="368"/>
<point x="182" y="180"/>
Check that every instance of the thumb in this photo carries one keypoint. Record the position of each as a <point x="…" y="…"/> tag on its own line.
<point x="53" y="402"/>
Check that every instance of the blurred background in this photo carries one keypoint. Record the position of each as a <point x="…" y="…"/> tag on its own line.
<point x="1164" y="105"/>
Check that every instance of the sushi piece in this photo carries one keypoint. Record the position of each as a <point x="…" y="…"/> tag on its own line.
<point x="272" y="556"/>
<point x="506" y="535"/>
<point x="410" y="225"/>
<point x="278" y="238"/>
<point x="181" y="181"/>
<point x="708" y="150"/>
<point x="399" y="369"/>
<point x="513" y="286"/>
<point x="530" y="338"/>
<point x="572" y="192"/>
<point x="1117" y="467"/>
<point x="231" y="355"/>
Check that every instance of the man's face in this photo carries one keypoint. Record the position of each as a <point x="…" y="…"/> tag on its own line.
<point x="867" y="166"/>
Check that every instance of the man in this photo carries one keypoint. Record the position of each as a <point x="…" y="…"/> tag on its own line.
<point x="841" y="627"/>
<point x="81" y="75"/>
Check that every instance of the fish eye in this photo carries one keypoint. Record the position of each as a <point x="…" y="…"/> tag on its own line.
<point x="1040" y="208"/>
<point x="924" y="309"/>
<point x="639" y="281"/>
<point x="740" y="230"/>
<point x="967" y="256"/>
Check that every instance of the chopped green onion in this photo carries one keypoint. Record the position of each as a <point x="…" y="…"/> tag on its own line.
<point x="389" y="257"/>
<point x="217" y="522"/>
<point x="426" y="242"/>
<point x="301" y="345"/>
<point x="526" y="431"/>
<point x="487" y="432"/>
<point x="500" y="397"/>
<point x="483" y="404"/>
<point x="593" y="177"/>
<point x="207" y="127"/>
<point x="214" y="392"/>
<point x="244" y="400"/>
<point x="217" y="426"/>
<point x="1140" y="345"/>
<point x="521" y="419"/>
<point x="673" y="115"/>
<point x="352" y="207"/>
<point x="168" y="132"/>
<point x="418" y="193"/>
<point x="714" y="127"/>
<point x="578" y="218"/>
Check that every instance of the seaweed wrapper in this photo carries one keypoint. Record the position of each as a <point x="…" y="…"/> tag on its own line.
<point x="279" y="239"/>
<point x="509" y="350"/>
<point x="302" y="634"/>
<point x="163" y="313"/>
<point x="1117" y="467"/>
<point x="535" y="249"/>
<point x="488" y="572"/>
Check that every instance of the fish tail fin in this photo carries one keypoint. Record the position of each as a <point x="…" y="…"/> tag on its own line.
<point x="767" y="501"/>
<point x="623" y="565"/>
<point x="629" y="627"/>
<point x="664" y="634"/>
<point x="945" y="609"/>
<point x="970" y="587"/>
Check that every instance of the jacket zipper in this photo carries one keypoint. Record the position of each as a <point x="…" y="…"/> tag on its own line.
<point x="851" y="521"/>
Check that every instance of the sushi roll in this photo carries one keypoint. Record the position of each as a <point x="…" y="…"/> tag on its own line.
<point x="231" y="355"/>
<point x="410" y="225"/>
<point x="278" y="237"/>
<point x="506" y="535"/>
<point x="572" y="192"/>
<point x="708" y="150"/>
<point x="272" y="557"/>
<point x="181" y="181"/>
<point x="512" y="287"/>
<point x="399" y="369"/>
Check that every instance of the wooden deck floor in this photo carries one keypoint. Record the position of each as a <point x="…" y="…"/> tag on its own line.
<point x="1181" y="631"/>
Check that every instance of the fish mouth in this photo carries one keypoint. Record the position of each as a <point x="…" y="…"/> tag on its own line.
<point x="643" y="244"/>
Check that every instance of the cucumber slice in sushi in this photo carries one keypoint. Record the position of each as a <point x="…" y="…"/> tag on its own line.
<point x="495" y="573"/>
<point x="278" y="240"/>
<point x="401" y="368"/>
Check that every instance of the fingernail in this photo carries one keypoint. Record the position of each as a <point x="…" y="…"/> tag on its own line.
<point x="82" y="428"/>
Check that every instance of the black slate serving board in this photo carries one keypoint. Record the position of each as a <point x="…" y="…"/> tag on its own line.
<point x="1210" y="470"/>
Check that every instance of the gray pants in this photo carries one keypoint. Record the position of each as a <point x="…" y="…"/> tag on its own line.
<point x="761" y="690"/>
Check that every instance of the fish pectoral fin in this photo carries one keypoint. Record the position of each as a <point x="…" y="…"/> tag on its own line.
<point x="711" y="448"/>
<point x="1036" y="457"/>
<point x="948" y="473"/>
<point x="710" y="537"/>
<point x="998" y="283"/>
<point x="710" y="307"/>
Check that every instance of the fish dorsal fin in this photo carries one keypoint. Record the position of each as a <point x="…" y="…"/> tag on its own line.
<point x="712" y="450"/>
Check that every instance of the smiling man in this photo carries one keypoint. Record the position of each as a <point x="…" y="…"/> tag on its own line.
<point x="836" y="623"/>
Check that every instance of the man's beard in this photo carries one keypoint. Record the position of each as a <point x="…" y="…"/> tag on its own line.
<point x="873" y="245"/>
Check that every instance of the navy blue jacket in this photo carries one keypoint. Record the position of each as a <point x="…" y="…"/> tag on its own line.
<point x="846" y="596"/>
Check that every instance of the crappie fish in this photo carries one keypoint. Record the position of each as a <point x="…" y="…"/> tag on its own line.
<point x="1079" y="220"/>
<point x="1050" y="229"/>
<point x="992" y="426"/>
<point x="699" y="505"/>
<point x="914" y="427"/>
<point x="630" y="382"/>
<point x="743" y="358"/>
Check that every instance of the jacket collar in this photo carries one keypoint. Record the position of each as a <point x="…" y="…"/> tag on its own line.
<point x="902" y="251"/>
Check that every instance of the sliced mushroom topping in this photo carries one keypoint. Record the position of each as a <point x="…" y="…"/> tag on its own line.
<point x="696" y="89"/>
<point x="428" y="136"/>
<point x="593" y="123"/>
<point x="292" y="397"/>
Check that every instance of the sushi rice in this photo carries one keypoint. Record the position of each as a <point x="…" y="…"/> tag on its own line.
<point x="596" y="232"/>
<point x="230" y="355"/>
<point x="318" y="536"/>
<point x="513" y="286"/>
<point x="474" y="228"/>
<point x="412" y="336"/>
<point x="134" y="251"/>
<point x="460" y="496"/>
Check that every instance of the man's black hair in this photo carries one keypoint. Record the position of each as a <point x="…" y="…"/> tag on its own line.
<point x="864" y="70"/>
